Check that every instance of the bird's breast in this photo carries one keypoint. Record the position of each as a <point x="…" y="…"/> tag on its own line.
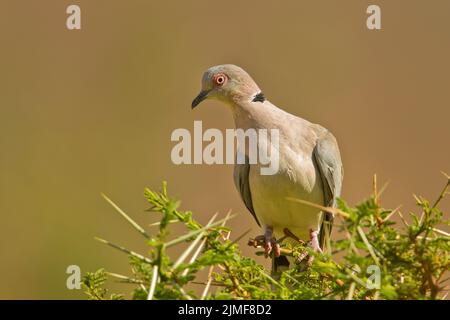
<point x="297" y="178"/>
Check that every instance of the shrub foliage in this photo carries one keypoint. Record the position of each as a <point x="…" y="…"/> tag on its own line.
<point x="373" y="257"/>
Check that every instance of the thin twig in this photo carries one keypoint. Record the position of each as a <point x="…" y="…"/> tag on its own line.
<point x="443" y="192"/>
<point x="403" y="218"/>
<point x="188" y="297"/>
<point x="223" y="225"/>
<point x="351" y="291"/>
<point x="151" y="291"/>
<point x="440" y="197"/>
<point x="391" y="213"/>
<point x="124" y="278"/>
<point x="271" y="279"/>
<point x="350" y="238"/>
<point x="377" y="204"/>
<point x="292" y="278"/>
<point x="441" y="232"/>
<point x="318" y="206"/>
<point x="368" y="245"/>
<point x="195" y="255"/>
<point x="375" y="193"/>
<point x="123" y="249"/>
<point x="208" y="283"/>
<point x="241" y="236"/>
<point x="159" y="223"/>
<point x="352" y="275"/>
<point x="383" y="188"/>
<point x="191" y="247"/>
<point x="194" y="233"/>
<point x="123" y="214"/>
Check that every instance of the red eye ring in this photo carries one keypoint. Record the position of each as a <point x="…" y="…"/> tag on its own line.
<point x="220" y="79"/>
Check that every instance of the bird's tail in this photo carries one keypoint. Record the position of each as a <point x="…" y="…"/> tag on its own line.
<point x="325" y="229"/>
<point x="279" y="264"/>
<point x="282" y="262"/>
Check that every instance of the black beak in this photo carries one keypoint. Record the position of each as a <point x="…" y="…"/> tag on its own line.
<point x="201" y="96"/>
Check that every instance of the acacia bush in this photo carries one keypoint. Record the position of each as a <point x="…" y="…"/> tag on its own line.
<point x="373" y="257"/>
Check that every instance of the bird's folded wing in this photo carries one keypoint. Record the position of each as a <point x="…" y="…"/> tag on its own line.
<point x="241" y="180"/>
<point x="329" y="164"/>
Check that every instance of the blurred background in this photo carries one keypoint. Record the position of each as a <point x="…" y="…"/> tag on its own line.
<point x="92" y="110"/>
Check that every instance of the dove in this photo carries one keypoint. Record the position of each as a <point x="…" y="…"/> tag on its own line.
<point x="310" y="166"/>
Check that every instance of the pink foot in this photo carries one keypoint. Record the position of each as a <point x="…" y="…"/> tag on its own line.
<point x="270" y="243"/>
<point x="313" y="244"/>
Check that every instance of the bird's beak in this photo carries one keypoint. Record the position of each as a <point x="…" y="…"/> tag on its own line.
<point x="201" y="96"/>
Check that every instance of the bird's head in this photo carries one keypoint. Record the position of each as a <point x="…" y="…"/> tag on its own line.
<point x="228" y="83"/>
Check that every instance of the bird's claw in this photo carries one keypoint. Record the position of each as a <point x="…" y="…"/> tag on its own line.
<point x="268" y="243"/>
<point x="314" y="245"/>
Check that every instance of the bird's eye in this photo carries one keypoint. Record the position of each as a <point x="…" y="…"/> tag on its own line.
<point x="219" y="79"/>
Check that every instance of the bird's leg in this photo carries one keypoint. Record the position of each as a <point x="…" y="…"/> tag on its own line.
<point x="314" y="240"/>
<point x="314" y="244"/>
<point x="270" y="242"/>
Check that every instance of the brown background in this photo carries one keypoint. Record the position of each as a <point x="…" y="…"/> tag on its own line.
<point x="90" y="111"/>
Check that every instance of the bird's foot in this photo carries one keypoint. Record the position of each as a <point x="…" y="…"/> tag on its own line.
<point x="260" y="242"/>
<point x="270" y="243"/>
<point x="314" y="245"/>
<point x="267" y="241"/>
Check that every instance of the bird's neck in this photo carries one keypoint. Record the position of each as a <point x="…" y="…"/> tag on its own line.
<point x="253" y="114"/>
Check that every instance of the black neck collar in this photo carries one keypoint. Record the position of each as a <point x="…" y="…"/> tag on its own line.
<point x="259" y="97"/>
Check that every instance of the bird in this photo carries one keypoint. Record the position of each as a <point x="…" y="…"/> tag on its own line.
<point x="310" y="165"/>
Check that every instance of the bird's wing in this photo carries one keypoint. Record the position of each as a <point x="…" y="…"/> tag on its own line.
<point x="241" y="180"/>
<point x="329" y="164"/>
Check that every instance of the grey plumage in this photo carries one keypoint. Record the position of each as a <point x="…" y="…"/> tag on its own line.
<point x="241" y="181"/>
<point x="329" y="164"/>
